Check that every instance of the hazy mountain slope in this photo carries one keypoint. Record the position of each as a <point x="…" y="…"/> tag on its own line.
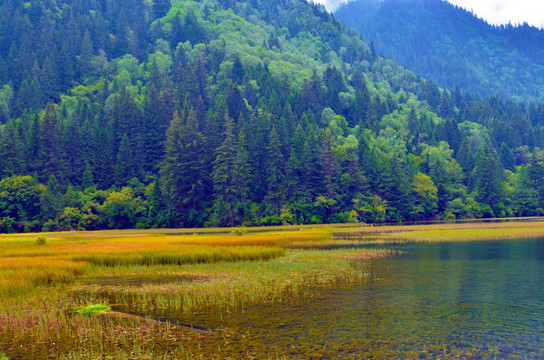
<point x="453" y="47"/>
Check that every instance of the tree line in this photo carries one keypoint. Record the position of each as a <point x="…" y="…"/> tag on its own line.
<point x="209" y="128"/>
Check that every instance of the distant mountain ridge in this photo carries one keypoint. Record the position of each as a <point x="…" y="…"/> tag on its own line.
<point x="452" y="46"/>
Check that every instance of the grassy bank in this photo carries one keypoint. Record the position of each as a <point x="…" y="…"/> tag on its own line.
<point x="142" y="275"/>
<point x="46" y="279"/>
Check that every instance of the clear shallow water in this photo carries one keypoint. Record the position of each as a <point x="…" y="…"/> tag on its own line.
<point x="450" y="300"/>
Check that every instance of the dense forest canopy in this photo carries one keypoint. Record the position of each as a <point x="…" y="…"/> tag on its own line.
<point x="453" y="47"/>
<point x="130" y="113"/>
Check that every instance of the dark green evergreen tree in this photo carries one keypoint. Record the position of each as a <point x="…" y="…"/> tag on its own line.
<point x="50" y="155"/>
<point x="160" y="8"/>
<point x="12" y="161"/>
<point x="87" y="180"/>
<point x="195" y="178"/>
<point x="171" y="171"/>
<point x="125" y="168"/>
<point x="224" y="177"/>
<point x="275" y="166"/>
<point x="488" y="180"/>
<point x="243" y="170"/>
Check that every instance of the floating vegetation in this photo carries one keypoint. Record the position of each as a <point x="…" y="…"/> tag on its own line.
<point x="93" y="309"/>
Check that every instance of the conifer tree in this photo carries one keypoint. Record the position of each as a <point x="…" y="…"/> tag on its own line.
<point x="295" y="166"/>
<point x="155" y="125"/>
<point x="125" y="168"/>
<point x="171" y="172"/>
<point x="488" y="181"/>
<point x="49" y="154"/>
<point x="224" y="177"/>
<point x="357" y="182"/>
<point x="51" y="203"/>
<point x="160" y="8"/>
<point x="87" y="180"/>
<point x="243" y="171"/>
<point x="157" y="205"/>
<point x="536" y="176"/>
<point x="195" y="177"/>
<point x="103" y="143"/>
<point x="275" y="167"/>
<point x="11" y="151"/>
<point x="328" y="167"/>
<point x="85" y="55"/>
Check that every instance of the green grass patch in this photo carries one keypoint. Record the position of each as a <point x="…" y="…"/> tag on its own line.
<point x="92" y="309"/>
<point x="184" y="255"/>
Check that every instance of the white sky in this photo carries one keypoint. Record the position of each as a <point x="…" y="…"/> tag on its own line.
<point x="494" y="11"/>
<point x="503" y="11"/>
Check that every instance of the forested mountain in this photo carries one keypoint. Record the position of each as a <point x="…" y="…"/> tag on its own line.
<point x="129" y="113"/>
<point x="453" y="47"/>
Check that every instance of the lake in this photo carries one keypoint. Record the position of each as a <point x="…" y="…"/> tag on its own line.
<point x="442" y="300"/>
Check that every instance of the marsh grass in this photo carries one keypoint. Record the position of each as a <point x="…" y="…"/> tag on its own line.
<point x="299" y="274"/>
<point x="445" y="232"/>
<point x="20" y="275"/>
<point x="41" y="286"/>
<point x="180" y="255"/>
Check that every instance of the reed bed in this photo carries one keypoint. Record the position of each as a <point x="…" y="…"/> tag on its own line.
<point x="20" y="275"/>
<point x="182" y="255"/>
<point x="44" y="285"/>
<point x="446" y="232"/>
<point x="299" y="274"/>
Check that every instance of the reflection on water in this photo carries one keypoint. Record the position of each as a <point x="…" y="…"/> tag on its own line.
<point x="447" y="300"/>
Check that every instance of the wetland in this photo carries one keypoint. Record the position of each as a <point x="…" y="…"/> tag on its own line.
<point x="434" y="291"/>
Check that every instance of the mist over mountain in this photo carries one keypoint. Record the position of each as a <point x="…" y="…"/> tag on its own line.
<point x="452" y="46"/>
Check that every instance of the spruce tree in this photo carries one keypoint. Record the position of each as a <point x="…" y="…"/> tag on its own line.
<point x="328" y="162"/>
<point x="160" y="8"/>
<point x="49" y="153"/>
<point x="12" y="161"/>
<point x="243" y="171"/>
<point x="488" y="181"/>
<point x="125" y="168"/>
<point x="193" y="169"/>
<point x="87" y="179"/>
<point x="171" y="171"/>
<point x="295" y="166"/>
<point x="224" y="177"/>
<point x="275" y="166"/>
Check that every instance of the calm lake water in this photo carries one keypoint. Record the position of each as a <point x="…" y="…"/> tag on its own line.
<point x="450" y="300"/>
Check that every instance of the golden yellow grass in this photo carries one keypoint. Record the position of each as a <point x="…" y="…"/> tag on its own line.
<point x="451" y="232"/>
<point x="24" y="264"/>
<point x="18" y="275"/>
